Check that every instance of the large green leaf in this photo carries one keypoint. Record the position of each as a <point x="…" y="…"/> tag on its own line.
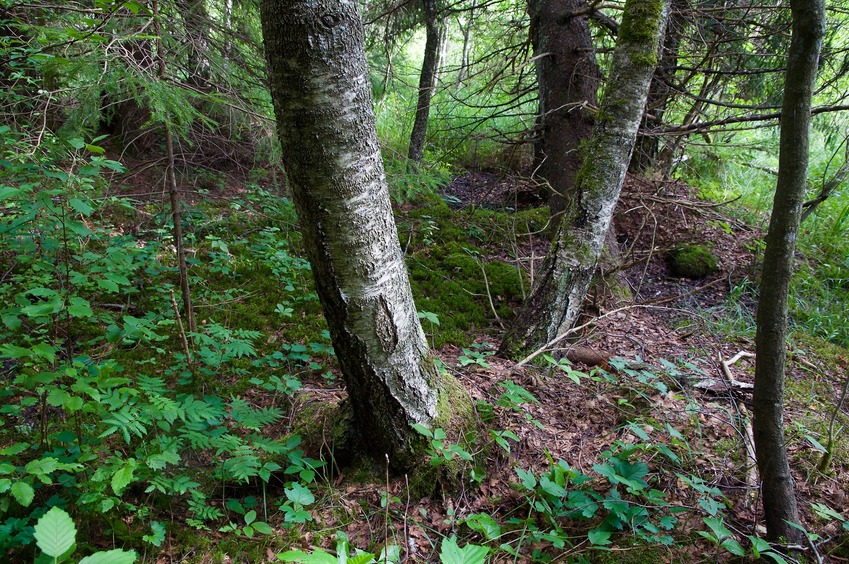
<point x="55" y="532"/>
<point x="485" y="525"/>
<point x="81" y="206"/>
<point x="299" y="494"/>
<point x="78" y="307"/>
<point x="599" y="538"/>
<point x="317" y="557"/>
<point x="116" y="556"/>
<point x="451" y="553"/>
<point x="23" y="493"/>
<point x="122" y="478"/>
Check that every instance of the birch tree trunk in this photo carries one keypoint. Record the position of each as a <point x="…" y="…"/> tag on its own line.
<point x="566" y="273"/>
<point x="323" y="104"/>
<point x="778" y="493"/>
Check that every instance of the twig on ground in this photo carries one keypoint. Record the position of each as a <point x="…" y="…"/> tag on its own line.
<point x="655" y="303"/>
<point x="745" y="424"/>
<point x="182" y="329"/>
<point x="489" y="294"/>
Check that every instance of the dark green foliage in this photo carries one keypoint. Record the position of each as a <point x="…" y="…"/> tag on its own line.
<point x="101" y="405"/>
<point x="102" y="413"/>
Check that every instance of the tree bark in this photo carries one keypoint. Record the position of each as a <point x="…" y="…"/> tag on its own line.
<point x="568" y="80"/>
<point x="778" y="494"/>
<point x="323" y="104"/>
<point x="427" y="80"/>
<point x="567" y="270"/>
<point x="173" y="193"/>
<point x="648" y="142"/>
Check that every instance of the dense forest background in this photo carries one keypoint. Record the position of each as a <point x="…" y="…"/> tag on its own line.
<point x="171" y="391"/>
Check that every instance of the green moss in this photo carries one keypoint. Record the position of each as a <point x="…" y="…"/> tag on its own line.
<point x="448" y="279"/>
<point x="454" y="409"/>
<point x="692" y="261"/>
<point x="328" y="432"/>
<point x="456" y="416"/>
<point x="644" y="60"/>
<point x="637" y="554"/>
<point x="232" y="549"/>
<point x="639" y="31"/>
<point x="452" y="281"/>
<point x="640" y="22"/>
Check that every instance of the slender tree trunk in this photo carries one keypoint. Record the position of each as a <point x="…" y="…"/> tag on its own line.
<point x="778" y="494"/>
<point x="463" y="72"/>
<point x="388" y="46"/>
<point x="568" y="268"/>
<point x="196" y="28"/>
<point x="427" y="80"/>
<point x="322" y="100"/>
<point x="228" y="25"/>
<point x="666" y="158"/>
<point x="173" y="193"/>
<point x="568" y="79"/>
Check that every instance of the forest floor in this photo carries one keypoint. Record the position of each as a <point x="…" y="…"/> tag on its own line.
<point x="649" y="380"/>
<point x="664" y="320"/>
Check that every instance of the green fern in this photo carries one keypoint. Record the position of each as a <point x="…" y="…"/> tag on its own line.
<point x="129" y="420"/>
<point x="250" y="418"/>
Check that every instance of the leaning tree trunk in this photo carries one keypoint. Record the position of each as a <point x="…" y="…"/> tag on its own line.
<point x="568" y="80"/>
<point x="648" y="141"/>
<point x="427" y="80"/>
<point x="568" y="268"/>
<point x="778" y="495"/>
<point x="322" y="100"/>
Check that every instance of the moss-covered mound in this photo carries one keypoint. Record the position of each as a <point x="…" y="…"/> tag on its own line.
<point x="693" y="261"/>
<point x="456" y="283"/>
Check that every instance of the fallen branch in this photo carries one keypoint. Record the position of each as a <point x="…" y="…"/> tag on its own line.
<point x="183" y="338"/>
<point x="745" y="424"/>
<point x="489" y="294"/>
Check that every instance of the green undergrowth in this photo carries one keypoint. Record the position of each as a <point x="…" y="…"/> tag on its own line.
<point x="820" y="284"/>
<point x="145" y="435"/>
<point x="105" y="412"/>
<point x="819" y="374"/>
<point x="616" y="507"/>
